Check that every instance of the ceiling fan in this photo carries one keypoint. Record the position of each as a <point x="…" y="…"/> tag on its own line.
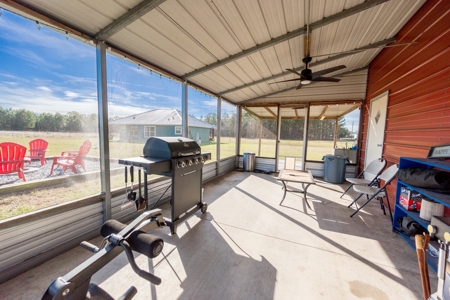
<point x="306" y="76"/>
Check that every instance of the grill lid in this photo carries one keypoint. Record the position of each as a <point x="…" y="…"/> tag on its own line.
<point x="170" y="147"/>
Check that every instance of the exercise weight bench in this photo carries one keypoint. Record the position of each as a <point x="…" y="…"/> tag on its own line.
<point x="118" y="237"/>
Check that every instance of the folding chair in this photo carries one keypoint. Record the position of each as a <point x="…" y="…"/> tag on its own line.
<point x="377" y="192"/>
<point x="289" y="163"/>
<point x="369" y="175"/>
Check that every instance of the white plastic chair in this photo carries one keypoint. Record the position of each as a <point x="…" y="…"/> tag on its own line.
<point x="369" y="175"/>
<point x="377" y="192"/>
<point x="289" y="163"/>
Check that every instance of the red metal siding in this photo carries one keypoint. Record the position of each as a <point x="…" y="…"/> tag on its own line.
<point x="418" y="80"/>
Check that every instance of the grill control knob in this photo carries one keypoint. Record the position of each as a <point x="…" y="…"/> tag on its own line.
<point x="202" y="159"/>
<point x="189" y="162"/>
<point x="181" y="164"/>
<point x="208" y="157"/>
<point x="196" y="160"/>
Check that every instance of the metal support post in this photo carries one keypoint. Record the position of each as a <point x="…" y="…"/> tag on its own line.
<point x="305" y="136"/>
<point x="260" y="136"/>
<point x="184" y="109"/>
<point x="238" y="128"/>
<point x="219" y="120"/>
<point x="103" y="129"/>
<point x="359" y="138"/>
<point x="336" y="127"/>
<point x="277" y="145"/>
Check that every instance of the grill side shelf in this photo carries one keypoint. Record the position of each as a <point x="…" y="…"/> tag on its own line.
<point x="150" y="165"/>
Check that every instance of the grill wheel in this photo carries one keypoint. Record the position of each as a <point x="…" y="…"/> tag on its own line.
<point x="204" y="207"/>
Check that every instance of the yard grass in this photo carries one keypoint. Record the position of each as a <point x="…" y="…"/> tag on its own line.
<point x="19" y="203"/>
<point x="59" y="142"/>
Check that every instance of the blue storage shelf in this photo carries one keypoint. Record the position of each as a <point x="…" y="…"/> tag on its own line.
<point x="431" y="260"/>
<point x="415" y="216"/>
<point x="400" y="211"/>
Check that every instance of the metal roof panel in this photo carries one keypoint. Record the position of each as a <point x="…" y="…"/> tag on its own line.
<point x="181" y="36"/>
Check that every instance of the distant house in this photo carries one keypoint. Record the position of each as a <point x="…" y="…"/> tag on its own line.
<point x="160" y="122"/>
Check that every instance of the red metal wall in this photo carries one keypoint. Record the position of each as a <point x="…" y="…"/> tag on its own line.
<point x="418" y="79"/>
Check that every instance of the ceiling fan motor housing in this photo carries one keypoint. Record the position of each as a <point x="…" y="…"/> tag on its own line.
<point x="307" y="59"/>
<point x="307" y="73"/>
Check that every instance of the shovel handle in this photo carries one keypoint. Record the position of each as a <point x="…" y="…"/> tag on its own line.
<point x="139" y="181"/>
<point x="132" y="174"/>
<point x="126" y="175"/>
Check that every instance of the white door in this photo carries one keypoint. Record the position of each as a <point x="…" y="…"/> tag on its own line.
<point x="377" y="123"/>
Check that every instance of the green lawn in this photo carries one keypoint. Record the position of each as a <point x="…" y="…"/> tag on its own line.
<point x="16" y="204"/>
<point x="65" y="141"/>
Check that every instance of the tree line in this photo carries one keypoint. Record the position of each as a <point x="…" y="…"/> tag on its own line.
<point x="26" y="120"/>
<point x="290" y="129"/>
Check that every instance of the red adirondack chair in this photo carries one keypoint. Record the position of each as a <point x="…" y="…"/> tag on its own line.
<point x="69" y="159"/>
<point x="38" y="147"/>
<point x="12" y="159"/>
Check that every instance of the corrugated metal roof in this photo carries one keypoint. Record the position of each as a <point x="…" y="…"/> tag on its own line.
<point x="182" y="36"/>
<point x="163" y="117"/>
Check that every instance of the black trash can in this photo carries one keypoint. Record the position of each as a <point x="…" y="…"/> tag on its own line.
<point x="249" y="161"/>
<point x="334" y="168"/>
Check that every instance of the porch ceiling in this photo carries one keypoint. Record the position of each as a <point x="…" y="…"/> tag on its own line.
<point x="295" y="111"/>
<point x="234" y="49"/>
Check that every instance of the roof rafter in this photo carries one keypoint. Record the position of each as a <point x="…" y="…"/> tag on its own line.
<point x="127" y="18"/>
<point x="322" y="114"/>
<point x="270" y="111"/>
<point x="294" y="87"/>
<point x="314" y="64"/>
<point x="347" y="111"/>
<point x="325" y="21"/>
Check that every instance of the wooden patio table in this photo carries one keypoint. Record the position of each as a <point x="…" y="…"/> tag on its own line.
<point x="303" y="177"/>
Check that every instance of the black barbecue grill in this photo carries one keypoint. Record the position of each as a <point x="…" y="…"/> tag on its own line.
<point x="182" y="160"/>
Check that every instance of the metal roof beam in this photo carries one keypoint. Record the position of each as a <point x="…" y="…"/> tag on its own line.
<point x="348" y="111"/>
<point x="322" y="114"/>
<point x="127" y="18"/>
<point x="314" y="64"/>
<point x="270" y="111"/>
<point x="325" y="21"/>
<point x="294" y="87"/>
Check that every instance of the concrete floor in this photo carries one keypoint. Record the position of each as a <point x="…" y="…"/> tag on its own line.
<point x="247" y="246"/>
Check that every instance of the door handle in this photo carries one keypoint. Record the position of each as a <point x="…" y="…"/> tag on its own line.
<point x="379" y="145"/>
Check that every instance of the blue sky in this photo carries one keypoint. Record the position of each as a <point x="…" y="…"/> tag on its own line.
<point x="42" y="71"/>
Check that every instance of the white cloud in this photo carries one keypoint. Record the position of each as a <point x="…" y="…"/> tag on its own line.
<point x="123" y="110"/>
<point x="25" y="32"/>
<point x="28" y="55"/>
<point x="41" y="99"/>
<point x="171" y="98"/>
<point x="70" y="94"/>
<point x="210" y="103"/>
<point x="44" y="88"/>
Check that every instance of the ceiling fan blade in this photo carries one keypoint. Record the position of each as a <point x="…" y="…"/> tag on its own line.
<point x="330" y="79"/>
<point x="295" y="72"/>
<point x="285" y="80"/>
<point x="326" y="71"/>
<point x="299" y="86"/>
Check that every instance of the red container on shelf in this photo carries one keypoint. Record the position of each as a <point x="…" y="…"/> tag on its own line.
<point x="410" y="200"/>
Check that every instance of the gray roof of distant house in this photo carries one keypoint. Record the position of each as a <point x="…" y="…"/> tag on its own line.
<point x="164" y="117"/>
